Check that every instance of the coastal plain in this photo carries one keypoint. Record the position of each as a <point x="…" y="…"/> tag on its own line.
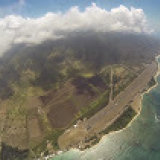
<point x="68" y="93"/>
<point x="96" y="124"/>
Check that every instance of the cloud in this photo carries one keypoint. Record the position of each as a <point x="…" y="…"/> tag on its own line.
<point x="21" y="2"/>
<point x="16" y="29"/>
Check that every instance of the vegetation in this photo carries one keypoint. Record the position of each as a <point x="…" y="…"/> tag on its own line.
<point x="10" y="153"/>
<point x="152" y="82"/>
<point x="55" y="62"/>
<point x="122" y="77"/>
<point x="52" y="138"/>
<point x="122" y="121"/>
<point x="71" y="74"/>
<point x="94" y="107"/>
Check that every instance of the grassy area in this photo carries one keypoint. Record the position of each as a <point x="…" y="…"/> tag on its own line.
<point x="123" y="75"/>
<point x="152" y="82"/>
<point x="122" y="121"/>
<point x="95" y="106"/>
<point x="52" y="137"/>
<point x="87" y="74"/>
<point x="123" y="83"/>
<point x="88" y="111"/>
<point x="17" y="102"/>
<point x="25" y="89"/>
<point x="10" y="153"/>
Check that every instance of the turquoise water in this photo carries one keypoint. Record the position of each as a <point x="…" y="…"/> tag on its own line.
<point x="139" y="141"/>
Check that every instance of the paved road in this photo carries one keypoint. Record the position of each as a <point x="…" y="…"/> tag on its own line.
<point x="115" y="108"/>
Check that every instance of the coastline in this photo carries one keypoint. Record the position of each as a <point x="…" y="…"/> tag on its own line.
<point x="140" y="103"/>
<point x="141" y="95"/>
<point x="137" y="114"/>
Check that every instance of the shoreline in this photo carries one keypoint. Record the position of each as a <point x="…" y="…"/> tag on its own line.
<point x="147" y="90"/>
<point x="140" y="103"/>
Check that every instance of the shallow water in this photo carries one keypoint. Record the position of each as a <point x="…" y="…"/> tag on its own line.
<point x="139" y="141"/>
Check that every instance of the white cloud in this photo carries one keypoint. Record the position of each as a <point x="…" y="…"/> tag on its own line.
<point x="21" y="2"/>
<point x="16" y="29"/>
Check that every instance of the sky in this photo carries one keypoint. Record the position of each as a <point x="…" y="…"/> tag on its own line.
<point x="32" y="21"/>
<point x="36" y="8"/>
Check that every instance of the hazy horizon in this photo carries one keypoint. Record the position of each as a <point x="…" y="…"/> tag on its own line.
<point x="32" y="22"/>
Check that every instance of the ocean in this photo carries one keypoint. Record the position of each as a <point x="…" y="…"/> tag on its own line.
<point x="139" y="141"/>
